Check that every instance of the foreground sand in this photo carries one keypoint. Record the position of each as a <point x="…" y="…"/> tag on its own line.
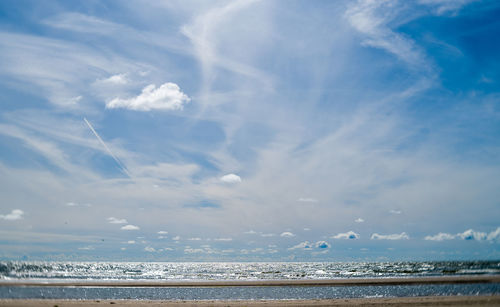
<point x="400" y="301"/>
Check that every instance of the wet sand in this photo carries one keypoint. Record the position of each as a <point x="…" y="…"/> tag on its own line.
<point x="400" y="301"/>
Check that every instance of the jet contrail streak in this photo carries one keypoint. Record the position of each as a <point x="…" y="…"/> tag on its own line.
<point x="122" y="166"/>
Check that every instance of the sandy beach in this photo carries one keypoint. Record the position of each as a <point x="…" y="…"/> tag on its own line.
<point x="400" y="301"/>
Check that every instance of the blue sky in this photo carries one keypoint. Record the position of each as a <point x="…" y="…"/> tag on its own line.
<point x="250" y="130"/>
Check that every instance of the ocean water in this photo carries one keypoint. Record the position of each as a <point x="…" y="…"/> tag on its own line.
<point x="11" y="272"/>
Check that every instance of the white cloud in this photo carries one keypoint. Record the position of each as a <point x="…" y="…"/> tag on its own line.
<point x="194" y="239"/>
<point x="307" y="229"/>
<point x="15" y="214"/>
<point x="114" y="220"/>
<point x="395" y="211"/>
<point x="224" y="239"/>
<point x="287" y="234"/>
<point x="130" y="227"/>
<point x="347" y="235"/>
<point x="250" y="232"/>
<point x="230" y="178"/>
<point x="86" y="248"/>
<point x="302" y="245"/>
<point x="307" y="200"/>
<point x="116" y="79"/>
<point x="131" y="242"/>
<point x="472" y="235"/>
<point x="401" y="236"/>
<point x="267" y="235"/>
<point x="161" y="232"/>
<point x="445" y="6"/>
<point x="189" y="250"/>
<point x="150" y="249"/>
<point x="440" y="237"/>
<point x="494" y="235"/>
<point x="322" y="244"/>
<point x="167" y="97"/>
<point x="176" y="238"/>
<point x="359" y="220"/>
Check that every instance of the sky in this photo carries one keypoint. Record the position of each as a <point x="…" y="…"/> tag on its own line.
<point x="249" y="130"/>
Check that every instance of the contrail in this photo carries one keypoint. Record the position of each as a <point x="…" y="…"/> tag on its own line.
<point x="120" y="164"/>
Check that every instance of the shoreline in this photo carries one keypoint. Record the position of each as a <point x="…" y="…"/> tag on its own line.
<point x="262" y="283"/>
<point x="396" y="301"/>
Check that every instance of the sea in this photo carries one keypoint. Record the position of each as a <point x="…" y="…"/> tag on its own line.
<point x="13" y="273"/>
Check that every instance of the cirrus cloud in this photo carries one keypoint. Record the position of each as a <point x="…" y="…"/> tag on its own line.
<point x="167" y="97"/>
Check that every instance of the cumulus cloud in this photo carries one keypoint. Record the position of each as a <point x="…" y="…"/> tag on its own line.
<point x="303" y="245"/>
<point x="322" y="244"/>
<point x="130" y="227"/>
<point x="150" y="249"/>
<point x="472" y="235"/>
<point x="401" y="236"/>
<point x="440" y="237"/>
<point x="15" y="214"/>
<point x="194" y="239"/>
<point x="359" y="220"/>
<point x="347" y="235"/>
<point x="287" y="234"/>
<point x="114" y="220"/>
<point x="176" y="238"/>
<point x="167" y="97"/>
<point x="131" y="242"/>
<point x="161" y="232"/>
<point x="230" y="178"/>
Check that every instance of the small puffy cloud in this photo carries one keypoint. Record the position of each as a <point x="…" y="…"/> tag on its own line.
<point x="86" y="248"/>
<point x="395" y="211"/>
<point x="224" y="239"/>
<point x="114" y="220"/>
<point x="150" y="249"/>
<point x="359" y="220"/>
<point x="230" y="178"/>
<point x="472" y="235"/>
<point x="322" y="244"/>
<point x="307" y="229"/>
<point x="161" y="232"/>
<point x="303" y="245"/>
<point x="307" y="200"/>
<point x="194" y="239"/>
<point x="440" y="237"/>
<point x="130" y="227"/>
<point x="250" y="232"/>
<point x="73" y="204"/>
<point x="401" y="236"/>
<point x="347" y="235"/>
<point x="287" y="234"/>
<point x="15" y="214"/>
<point x="176" y="238"/>
<point x="131" y="242"/>
<point x="167" y="97"/>
<point x="116" y="79"/>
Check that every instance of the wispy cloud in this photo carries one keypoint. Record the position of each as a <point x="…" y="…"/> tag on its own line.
<point x="114" y="220"/>
<point x="14" y="215"/>
<point x="440" y="237"/>
<point x="167" y="97"/>
<point x="401" y="236"/>
<point x="303" y="245"/>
